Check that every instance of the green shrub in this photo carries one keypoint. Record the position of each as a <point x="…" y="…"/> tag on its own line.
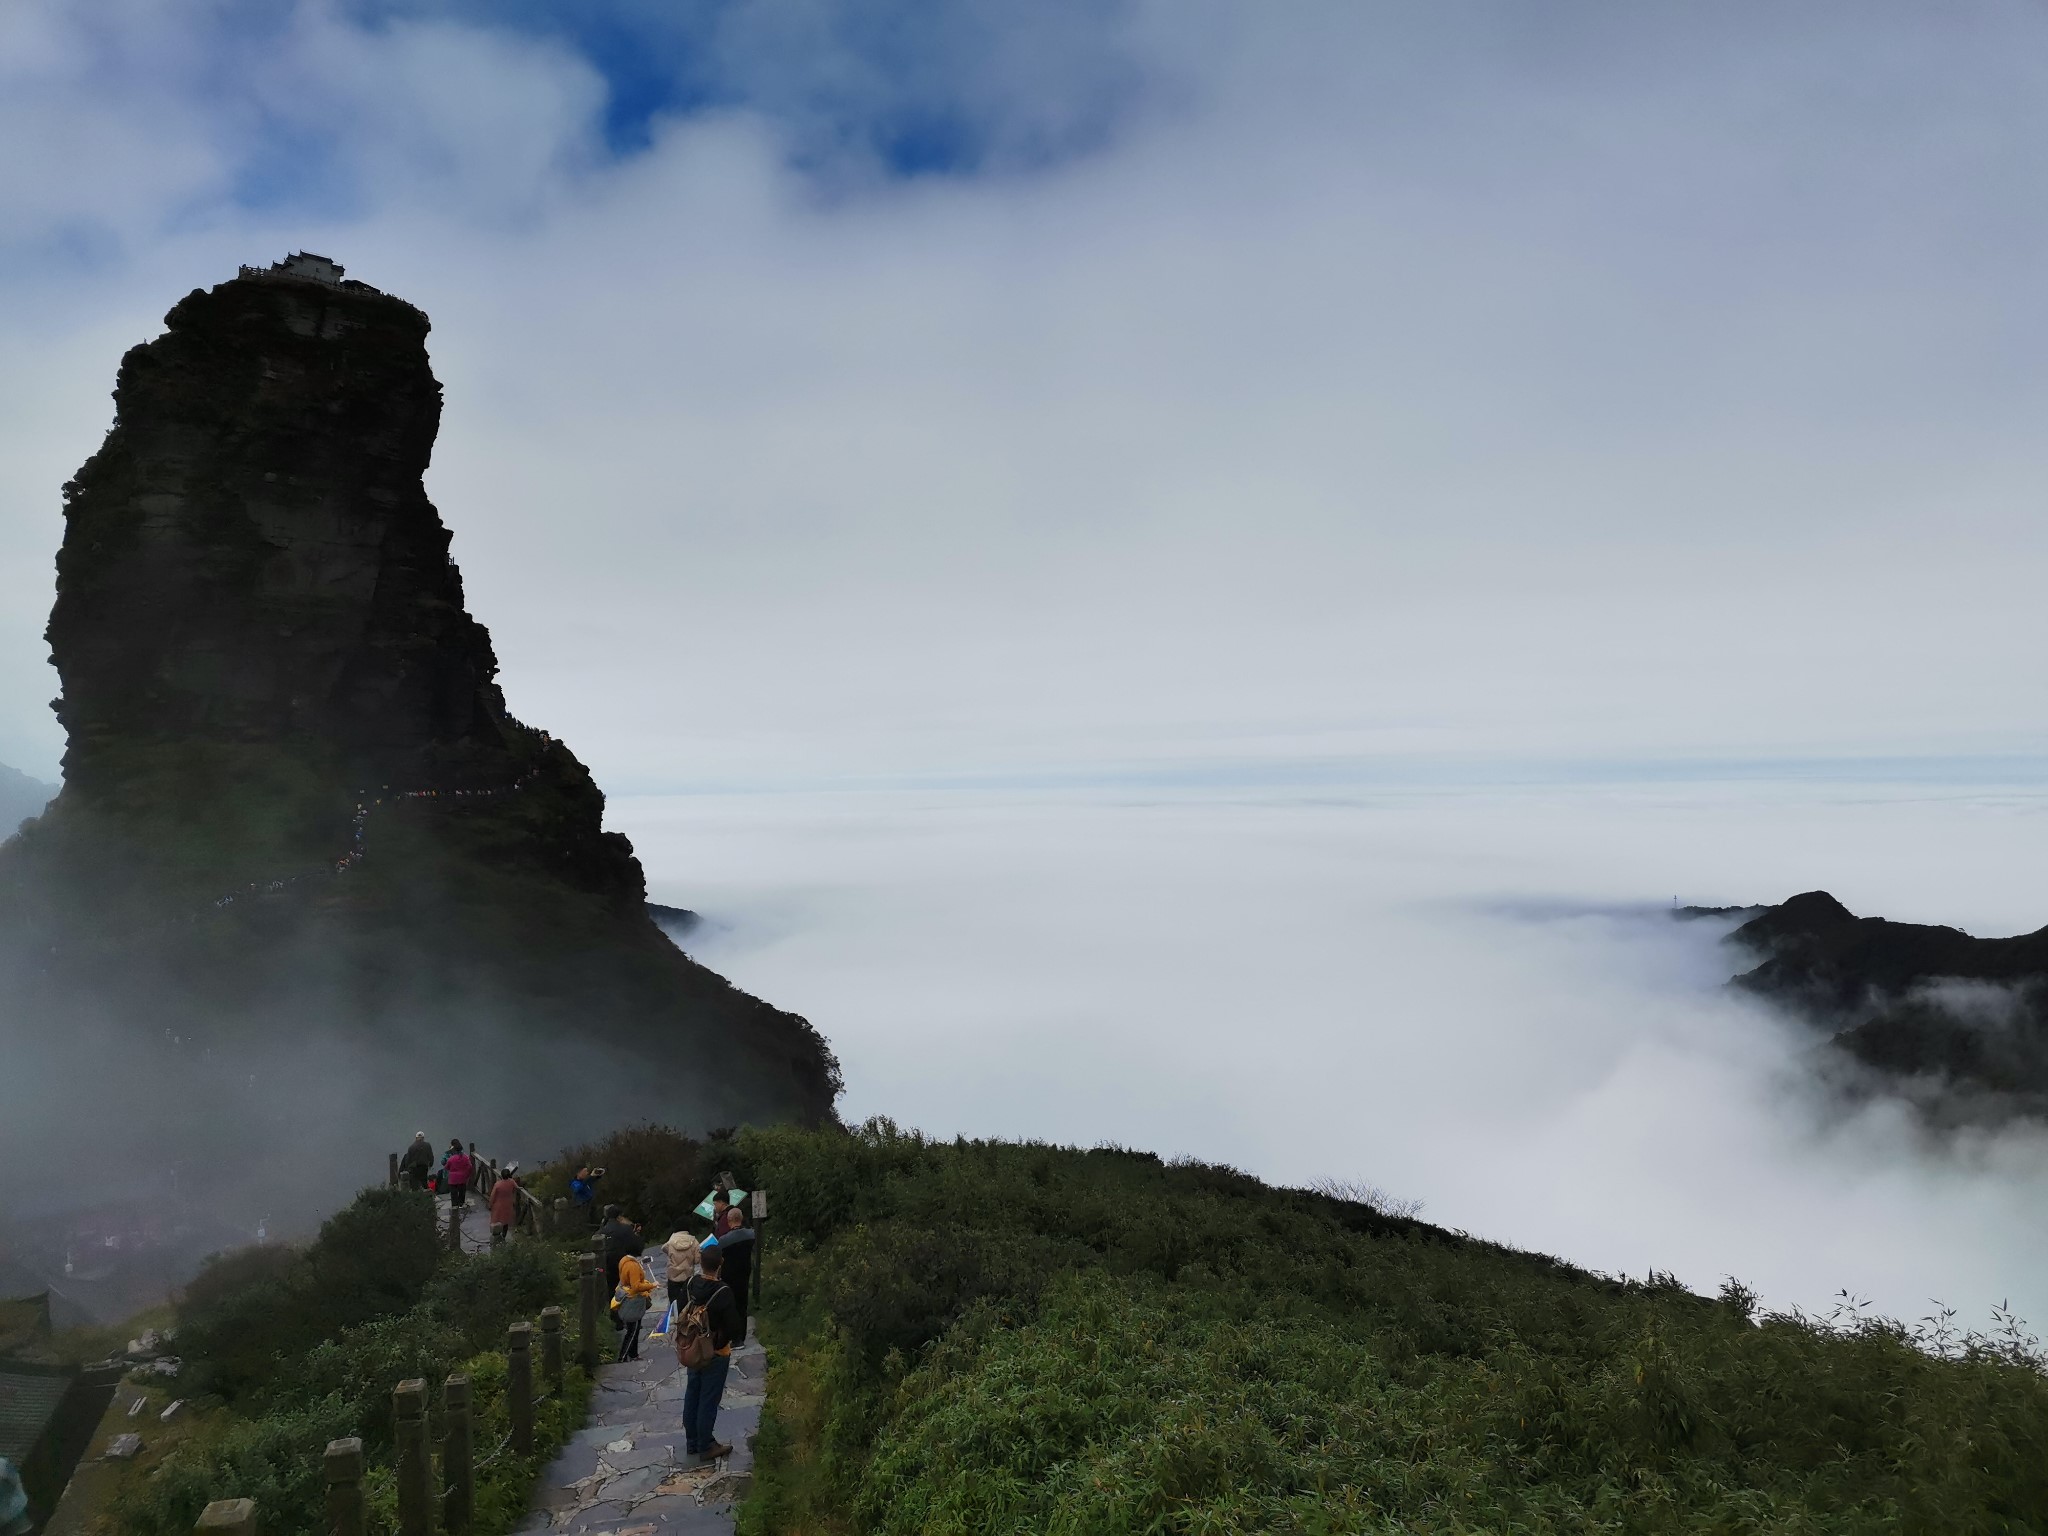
<point x="275" y="1460"/>
<point x="240" y="1314"/>
<point x="374" y="1256"/>
<point x="483" y="1294"/>
<point x="360" y="1366"/>
<point x="251" y="1309"/>
<point x="654" y="1173"/>
<point x="309" y="1346"/>
<point x="983" y="1336"/>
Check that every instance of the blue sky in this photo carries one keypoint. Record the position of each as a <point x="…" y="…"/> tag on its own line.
<point x="897" y="89"/>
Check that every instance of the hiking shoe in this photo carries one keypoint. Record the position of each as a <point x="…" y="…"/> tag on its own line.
<point x="715" y="1450"/>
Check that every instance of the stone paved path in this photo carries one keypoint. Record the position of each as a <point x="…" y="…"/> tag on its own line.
<point x="624" y="1474"/>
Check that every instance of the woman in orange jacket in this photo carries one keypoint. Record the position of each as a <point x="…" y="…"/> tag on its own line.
<point x="631" y="1300"/>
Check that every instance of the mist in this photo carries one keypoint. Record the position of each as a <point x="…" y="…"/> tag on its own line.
<point x="183" y="1141"/>
<point x="1467" y="998"/>
<point x="1212" y="609"/>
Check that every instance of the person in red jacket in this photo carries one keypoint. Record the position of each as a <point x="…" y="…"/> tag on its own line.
<point x="504" y="1204"/>
<point x="456" y="1169"/>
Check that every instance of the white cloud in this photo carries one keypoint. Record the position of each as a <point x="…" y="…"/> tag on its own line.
<point x="1468" y="390"/>
<point x="1460" y="997"/>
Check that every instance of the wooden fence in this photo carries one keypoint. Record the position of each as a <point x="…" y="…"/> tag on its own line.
<point x="427" y="1502"/>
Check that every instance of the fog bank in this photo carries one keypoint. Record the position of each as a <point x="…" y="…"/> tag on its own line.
<point x="1470" y="998"/>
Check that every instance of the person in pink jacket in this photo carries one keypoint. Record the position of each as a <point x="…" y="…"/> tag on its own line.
<point x="456" y="1169"/>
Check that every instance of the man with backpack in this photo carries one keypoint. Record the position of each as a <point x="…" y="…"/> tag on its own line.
<point x="705" y="1331"/>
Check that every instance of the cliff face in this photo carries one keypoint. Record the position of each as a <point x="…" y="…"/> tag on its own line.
<point x="293" y="799"/>
<point x="251" y="557"/>
<point x="258" y="617"/>
<point x="1910" y="1000"/>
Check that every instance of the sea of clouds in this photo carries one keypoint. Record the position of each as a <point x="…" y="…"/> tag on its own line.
<point x="1470" y="998"/>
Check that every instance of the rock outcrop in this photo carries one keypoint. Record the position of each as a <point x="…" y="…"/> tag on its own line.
<point x="1910" y="1000"/>
<point x="295" y="809"/>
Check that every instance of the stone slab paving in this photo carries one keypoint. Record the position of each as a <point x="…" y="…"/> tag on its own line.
<point x="624" y="1474"/>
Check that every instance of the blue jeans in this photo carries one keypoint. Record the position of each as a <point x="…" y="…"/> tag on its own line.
<point x="700" y="1404"/>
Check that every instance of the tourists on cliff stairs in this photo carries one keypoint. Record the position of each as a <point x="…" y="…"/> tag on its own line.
<point x="456" y="1166"/>
<point x="737" y="1242"/>
<point x="417" y="1162"/>
<point x="630" y="1299"/>
<point x="682" y="1263"/>
<point x="505" y="1204"/>
<point x="621" y="1237"/>
<point x="708" y="1310"/>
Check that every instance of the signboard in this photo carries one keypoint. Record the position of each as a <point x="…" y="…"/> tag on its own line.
<point x="760" y="1206"/>
<point x="704" y="1205"/>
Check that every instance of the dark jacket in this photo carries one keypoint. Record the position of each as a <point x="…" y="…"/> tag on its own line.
<point x="418" y="1158"/>
<point x="619" y="1240"/>
<point x="723" y="1314"/>
<point x="738" y="1248"/>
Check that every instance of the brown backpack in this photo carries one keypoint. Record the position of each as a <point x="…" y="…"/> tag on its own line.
<point x="694" y="1349"/>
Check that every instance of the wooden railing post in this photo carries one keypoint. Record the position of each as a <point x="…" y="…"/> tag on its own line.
<point x="415" y="1467"/>
<point x="519" y="1387"/>
<point x="458" y="1458"/>
<point x="587" y="1282"/>
<point x="551" y="1348"/>
<point x="346" y="1515"/>
<point x="394" y="1170"/>
<point x="228" y="1517"/>
<point x="760" y="1199"/>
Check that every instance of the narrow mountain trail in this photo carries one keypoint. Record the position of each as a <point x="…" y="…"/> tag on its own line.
<point x="359" y="842"/>
<point x="625" y="1474"/>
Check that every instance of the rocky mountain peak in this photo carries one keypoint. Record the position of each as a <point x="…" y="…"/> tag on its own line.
<point x="297" y="825"/>
<point x="251" y="557"/>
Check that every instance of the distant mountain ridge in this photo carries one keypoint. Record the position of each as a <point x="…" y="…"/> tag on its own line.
<point x="20" y="798"/>
<point x="1910" y="1000"/>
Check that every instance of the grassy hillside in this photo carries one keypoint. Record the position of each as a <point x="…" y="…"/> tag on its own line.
<point x="980" y="1337"/>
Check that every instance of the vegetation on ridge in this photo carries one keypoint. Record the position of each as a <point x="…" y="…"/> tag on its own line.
<point x="984" y="1336"/>
<point x="989" y="1336"/>
<point x="287" y="1349"/>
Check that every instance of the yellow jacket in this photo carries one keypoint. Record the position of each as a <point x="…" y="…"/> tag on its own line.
<point x="633" y="1277"/>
